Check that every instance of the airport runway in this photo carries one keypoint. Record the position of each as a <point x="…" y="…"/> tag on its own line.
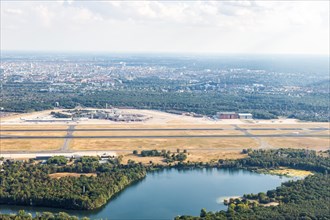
<point x="291" y="133"/>
<point x="167" y="129"/>
<point x="309" y="132"/>
<point x="165" y="136"/>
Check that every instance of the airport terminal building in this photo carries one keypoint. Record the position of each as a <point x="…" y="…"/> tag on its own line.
<point x="233" y="115"/>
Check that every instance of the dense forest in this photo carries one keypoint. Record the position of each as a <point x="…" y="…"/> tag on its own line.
<point x="26" y="183"/>
<point x="30" y="184"/>
<point x="293" y="158"/>
<point x="303" y="199"/>
<point x="313" y="107"/>
<point x="22" y="215"/>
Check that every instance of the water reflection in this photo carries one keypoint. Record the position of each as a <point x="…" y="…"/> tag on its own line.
<point x="170" y="192"/>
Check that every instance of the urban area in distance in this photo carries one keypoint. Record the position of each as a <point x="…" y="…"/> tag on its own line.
<point x="185" y="110"/>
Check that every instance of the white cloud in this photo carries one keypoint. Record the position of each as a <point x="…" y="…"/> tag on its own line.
<point x="46" y="16"/>
<point x="173" y="26"/>
<point x="13" y="11"/>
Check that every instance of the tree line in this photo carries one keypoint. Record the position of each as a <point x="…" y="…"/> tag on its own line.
<point x="302" y="199"/>
<point x="168" y="156"/>
<point x="312" y="107"/>
<point x="27" y="183"/>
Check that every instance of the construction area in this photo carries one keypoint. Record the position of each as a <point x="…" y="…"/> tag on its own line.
<point x="205" y="139"/>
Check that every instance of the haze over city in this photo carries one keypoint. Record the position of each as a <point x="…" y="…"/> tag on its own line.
<point x="284" y="27"/>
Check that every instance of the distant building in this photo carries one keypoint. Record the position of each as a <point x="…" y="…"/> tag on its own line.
<point x="227" y="115"/>
<point x="48" y="120"/>
<point x="245" y="115"/>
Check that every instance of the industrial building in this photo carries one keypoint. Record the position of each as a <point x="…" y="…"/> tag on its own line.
<point x="109" y="114"/>
<point x="245" y="115"/>
<point x="233" y="115"/>
<point x="227" y="115"/>
<point x="48" y="120"/>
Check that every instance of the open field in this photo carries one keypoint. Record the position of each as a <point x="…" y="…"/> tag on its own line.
<point x="161" y="125"/>
<point x="155" y="133"/>
<point x="299" y="142"/>
<point x="151" y="126"/>
<point x="290" y="172"/>
<point x="39" y="133"/>
<point x="323" y="132"/>
<point x="20" y="145"/>
<point x="159" y="144"/>
<point x="59" y="175"/>
<point x="32" y="127"/>
<point x="144" y="160"/>
<point x="14" y="116"/>
<point x="270" y="132"/>
<point x="193" y="156"/>
<point x="286" y="125"/>
<point x="206" y="156"/>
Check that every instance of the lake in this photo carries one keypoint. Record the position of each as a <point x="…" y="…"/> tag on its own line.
<point x="171" y="192"/>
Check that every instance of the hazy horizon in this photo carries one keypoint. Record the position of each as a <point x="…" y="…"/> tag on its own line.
<point x="162" y="53"/>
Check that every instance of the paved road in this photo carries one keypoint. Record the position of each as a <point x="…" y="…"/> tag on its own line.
<point x="245" y="134"/>
<point x="31" y="154"/>
<point x="90" y="152"/>
<point x="167" y="129"/>
<point x="68" y="137"/>
<point x="165" y="136"/>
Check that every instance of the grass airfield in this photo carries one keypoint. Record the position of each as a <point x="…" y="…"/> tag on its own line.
<point x="199" y="148"/>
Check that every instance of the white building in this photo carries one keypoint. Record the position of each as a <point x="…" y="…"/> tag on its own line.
<point x="245" y="115"/>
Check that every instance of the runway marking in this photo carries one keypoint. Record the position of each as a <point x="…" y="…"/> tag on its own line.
<point x="164" y="137"/>
<point x="165" y="129"/>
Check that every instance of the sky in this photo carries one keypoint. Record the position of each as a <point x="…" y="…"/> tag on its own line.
<point x="253" y="27"/>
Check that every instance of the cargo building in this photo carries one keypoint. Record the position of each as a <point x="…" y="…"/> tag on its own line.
<point x="227" y="115"/>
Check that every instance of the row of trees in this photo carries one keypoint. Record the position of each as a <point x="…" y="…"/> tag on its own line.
<point x="168" y="156"/>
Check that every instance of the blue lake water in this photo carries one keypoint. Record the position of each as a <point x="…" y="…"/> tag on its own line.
<point x="171" y="192"/>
